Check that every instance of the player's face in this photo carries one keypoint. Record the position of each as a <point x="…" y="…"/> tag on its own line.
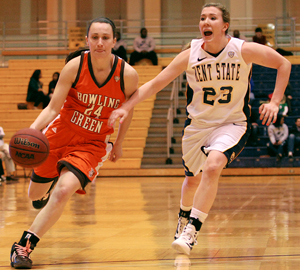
<point x="100" y="38"/>
<point x="211" y="24"/>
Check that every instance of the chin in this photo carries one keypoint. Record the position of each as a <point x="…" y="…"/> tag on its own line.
<point x="208" y="38"/>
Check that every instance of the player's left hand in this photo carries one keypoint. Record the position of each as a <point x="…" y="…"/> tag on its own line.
<point x="268" y="113"/>
<point x="115" y="153"/>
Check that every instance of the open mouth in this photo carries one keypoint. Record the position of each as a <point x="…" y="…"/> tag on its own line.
<point x="208" y="33"/>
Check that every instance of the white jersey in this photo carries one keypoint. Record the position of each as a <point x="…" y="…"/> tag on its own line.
<point x="218" y="87"/>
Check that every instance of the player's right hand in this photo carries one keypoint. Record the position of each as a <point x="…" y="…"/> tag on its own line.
<point x="115" y="115"/>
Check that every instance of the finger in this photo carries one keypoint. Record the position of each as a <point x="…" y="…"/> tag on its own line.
<point x="122" y="119"/>
<point x="261" y="108"/>
<point x="111" y="120"/>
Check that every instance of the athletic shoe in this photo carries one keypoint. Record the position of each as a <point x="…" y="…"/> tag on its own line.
<point x="182" y="222"/>
<point x="20" y="256"/>
<point x="39" y="204"/>
<point x="186" y="240"/>
<point x="12" y="178"/>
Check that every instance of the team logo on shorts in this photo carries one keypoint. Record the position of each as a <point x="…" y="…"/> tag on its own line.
<point x="117" y="78"/>
<point x="231" y="54"/>
<point x="91" y="172"/>
<point x="232" y="157"/>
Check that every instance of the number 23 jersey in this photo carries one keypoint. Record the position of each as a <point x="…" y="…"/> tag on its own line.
<point x="218" y="86"/>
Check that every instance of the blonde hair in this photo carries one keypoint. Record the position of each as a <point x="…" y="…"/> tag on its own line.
<point x="223" y="9"/>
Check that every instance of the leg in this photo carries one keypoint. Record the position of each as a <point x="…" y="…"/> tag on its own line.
<point x="38" y="98"/>
<point x="47" y="217"/>
<point x="46" y="100"/>
<point x="189" y="187"/>
<point x="153" y="57"/>
<point x="135" y="57"/>
<point x="203" y="201"/>
<point x="207" y="190"/>
<point x="67" y="185"/>
<point x="291" y="144"/>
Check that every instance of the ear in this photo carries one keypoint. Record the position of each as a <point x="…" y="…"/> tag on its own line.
<point x="226" y="26"/>
<point x="86" y="40"/>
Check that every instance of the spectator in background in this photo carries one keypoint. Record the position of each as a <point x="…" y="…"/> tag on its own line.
<point x="278" y="134"/>
<point x="5" y="156"/>
<point x="259" y="37"/>
<point x="52" y="84"/>
<point x="143" y="48"/>
<point x="294" y="138"/>
<point x="252" y="140"/>
<point x="35" y="90"/>
<point x="236" y="34"/>
<point x="120" y="47"/>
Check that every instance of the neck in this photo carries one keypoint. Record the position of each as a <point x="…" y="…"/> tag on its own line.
<point x="103" y="63"/>
<point x="217" y="46"/>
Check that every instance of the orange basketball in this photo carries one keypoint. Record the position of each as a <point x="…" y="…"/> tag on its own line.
<point x="29" y="147"/>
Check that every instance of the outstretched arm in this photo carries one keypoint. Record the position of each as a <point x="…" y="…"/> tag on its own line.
<point x="266" y="56"/>
<point x="172" y="71"/>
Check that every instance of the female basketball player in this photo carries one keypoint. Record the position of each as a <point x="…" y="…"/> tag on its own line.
<point x="218" y="69"/>
<point x="90" y="87"/>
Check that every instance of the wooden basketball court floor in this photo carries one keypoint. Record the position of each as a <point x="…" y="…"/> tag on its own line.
<point x="128" y="223"/>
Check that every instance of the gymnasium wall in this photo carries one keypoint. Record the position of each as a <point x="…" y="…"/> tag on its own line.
<point x="186" y="10"/>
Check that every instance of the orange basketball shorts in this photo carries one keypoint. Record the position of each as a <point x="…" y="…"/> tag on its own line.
<point x="65" y="145"/>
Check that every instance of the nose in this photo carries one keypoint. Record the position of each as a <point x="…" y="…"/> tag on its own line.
<point x="206" y="20"/>
<point x="100" y="42"/>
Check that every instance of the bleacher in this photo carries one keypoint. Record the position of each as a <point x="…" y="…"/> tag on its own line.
<point x="257" y="156"/>
<point x="13" y="89"/>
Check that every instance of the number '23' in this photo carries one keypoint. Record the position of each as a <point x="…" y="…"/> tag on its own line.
<point x="210" y="93"/>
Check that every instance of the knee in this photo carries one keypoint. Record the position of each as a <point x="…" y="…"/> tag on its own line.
<point x="61" y="194"/>
<point x="213" y="169"/>
<point x="292" y="136"/>
<point x="192" y="182"/>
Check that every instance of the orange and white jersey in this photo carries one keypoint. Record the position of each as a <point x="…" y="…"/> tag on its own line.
<point x="88" y="105"/>
<point x="218" y="85"/>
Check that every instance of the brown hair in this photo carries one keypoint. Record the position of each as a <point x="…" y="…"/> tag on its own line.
<point x="223" y="9"/>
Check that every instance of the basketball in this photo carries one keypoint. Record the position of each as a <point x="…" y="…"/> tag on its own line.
<point x="29" y="147"/>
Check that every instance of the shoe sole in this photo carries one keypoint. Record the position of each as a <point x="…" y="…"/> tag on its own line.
<point x="20" y="266"/>
<point x="181" y="248"/>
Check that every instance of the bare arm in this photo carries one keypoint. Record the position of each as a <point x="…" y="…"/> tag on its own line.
<point x="131" y="84"/>
<point x="265" y="56"/>
<point x="66" y="79"/>
<point x="172" y="71"/>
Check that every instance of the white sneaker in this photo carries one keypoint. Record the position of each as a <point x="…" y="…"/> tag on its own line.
<point x="182" y="222"/>
<point x="186" y="240"/>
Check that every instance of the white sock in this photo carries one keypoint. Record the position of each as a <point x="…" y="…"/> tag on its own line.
<point x="197" y="214"/>
<point x="185" y="208"/>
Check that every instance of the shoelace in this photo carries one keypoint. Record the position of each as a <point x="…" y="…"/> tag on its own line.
<point x="189" y="236"/>
<point x="23" y="251"/>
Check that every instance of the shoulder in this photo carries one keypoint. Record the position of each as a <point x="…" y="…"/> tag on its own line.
<point x="72" y="66"/>
<point x="70" y="70"/>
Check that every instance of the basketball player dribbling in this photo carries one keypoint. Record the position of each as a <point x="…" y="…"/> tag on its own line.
<point x="92" y="84"/>
<point x="218" y="69"/>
